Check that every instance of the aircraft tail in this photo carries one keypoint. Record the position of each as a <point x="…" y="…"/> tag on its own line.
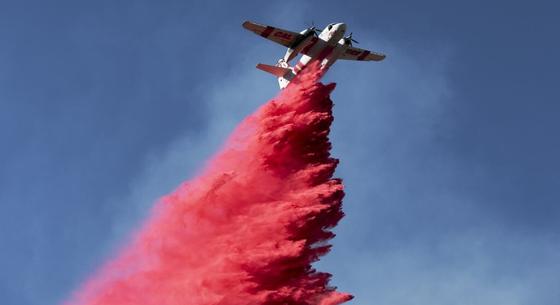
<point x="282" y="71"/>
<point x="274" y="70"/>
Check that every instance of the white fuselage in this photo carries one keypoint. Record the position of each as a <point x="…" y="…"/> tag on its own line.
<point x="327" y="53"/>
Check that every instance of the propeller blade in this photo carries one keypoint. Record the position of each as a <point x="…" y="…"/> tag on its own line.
<point x="315" y="30"/>
<point x="349" y="39"/>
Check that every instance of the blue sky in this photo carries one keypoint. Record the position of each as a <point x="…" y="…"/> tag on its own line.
<point x="449" y="148"/>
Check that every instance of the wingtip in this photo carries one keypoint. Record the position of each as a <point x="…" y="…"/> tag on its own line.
<point x="246" y="23"/>
<point x="381" y="56"/>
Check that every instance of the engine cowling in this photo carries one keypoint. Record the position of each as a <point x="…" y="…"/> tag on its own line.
<point x="299" y="44"/>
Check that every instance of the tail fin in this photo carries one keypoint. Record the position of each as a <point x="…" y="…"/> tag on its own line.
<point x="274" y="70"/>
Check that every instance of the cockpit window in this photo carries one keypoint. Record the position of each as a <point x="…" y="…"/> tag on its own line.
<point x="330" y="26"/>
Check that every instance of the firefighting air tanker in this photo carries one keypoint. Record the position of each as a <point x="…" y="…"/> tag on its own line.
<point x="326" y="46"/>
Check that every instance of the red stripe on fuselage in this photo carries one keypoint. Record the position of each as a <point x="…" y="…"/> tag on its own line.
<point x="310" y="45"/>
<point x="267" y="31"/>
<point x="325" y="52"/>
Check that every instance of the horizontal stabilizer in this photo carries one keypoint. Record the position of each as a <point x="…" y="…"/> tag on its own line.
<point x="274" y="70"/>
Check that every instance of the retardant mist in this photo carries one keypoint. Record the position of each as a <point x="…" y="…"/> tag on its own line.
<point x="248" y="228"/>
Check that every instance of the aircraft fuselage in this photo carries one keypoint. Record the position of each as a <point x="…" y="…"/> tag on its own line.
<point x="327" y="53"/>
<point x="326" y="48"/>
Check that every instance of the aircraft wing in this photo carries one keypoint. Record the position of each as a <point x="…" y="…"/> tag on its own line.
<point x="353" y="53"/>
<point x="278" y="35"/>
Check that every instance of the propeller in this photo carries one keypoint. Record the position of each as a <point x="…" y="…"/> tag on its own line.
<point x="314" y="29"/>
<point x="348" y="39"/>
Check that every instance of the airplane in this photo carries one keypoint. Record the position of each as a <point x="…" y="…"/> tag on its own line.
<point x="326" y="46"/>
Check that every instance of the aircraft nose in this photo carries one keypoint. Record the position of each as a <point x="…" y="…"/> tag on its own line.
<point x="342" y="26"/>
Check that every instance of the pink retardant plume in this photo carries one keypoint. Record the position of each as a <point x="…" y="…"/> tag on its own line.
<point x="248" y="228"/>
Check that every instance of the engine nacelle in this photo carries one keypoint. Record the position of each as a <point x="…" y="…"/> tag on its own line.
<point x="299" y="44"/>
